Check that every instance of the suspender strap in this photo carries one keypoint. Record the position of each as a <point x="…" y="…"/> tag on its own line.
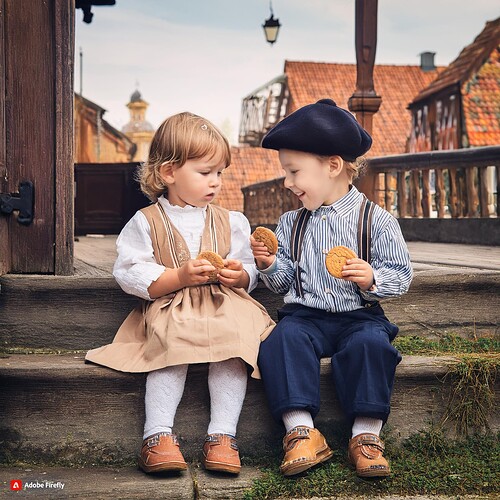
<point x="365" y="229"/>
<point x="364" y="239"/>
<point x="298" y="230"/>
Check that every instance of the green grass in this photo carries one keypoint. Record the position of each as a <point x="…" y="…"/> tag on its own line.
<point x="448" y="344"/>
<point x="426" y="463"/>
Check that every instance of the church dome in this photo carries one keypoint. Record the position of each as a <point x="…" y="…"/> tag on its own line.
<point x="136" y="97"/>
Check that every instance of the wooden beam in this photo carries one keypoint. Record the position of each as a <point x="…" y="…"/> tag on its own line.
<point x="64" y="20"/>
<point x="365" y="102"/>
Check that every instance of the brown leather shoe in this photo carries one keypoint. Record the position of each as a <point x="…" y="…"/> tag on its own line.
<point x="220" y="453"/>
<point x="304" y="448"/>
<point x="365" y="453"/>
<point x="160" y="452"/>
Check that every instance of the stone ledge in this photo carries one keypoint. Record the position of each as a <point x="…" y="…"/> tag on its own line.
<point x="130" y="483"/>
<point x="81" y="313"/>
<point x="64" y="366"/>
<point x="57" y="408"/>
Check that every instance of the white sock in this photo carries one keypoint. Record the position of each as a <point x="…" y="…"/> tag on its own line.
<point x="227" y="383"/>
<point x="363" y="425"/>
<point x="164" y="389"/>
<point x="294" y="418"/>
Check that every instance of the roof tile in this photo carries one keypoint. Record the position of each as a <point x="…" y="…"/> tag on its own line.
<point x="397" y="85"/>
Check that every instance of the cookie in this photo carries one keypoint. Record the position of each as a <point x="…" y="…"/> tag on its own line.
<point x="216" y="261"/>
<point x="267" y="237"/>
<point x="336" y="259"/>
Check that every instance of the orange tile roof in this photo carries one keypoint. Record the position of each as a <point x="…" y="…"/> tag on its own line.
<point x="397" y="85"/>
<point x="481" y="104"/>
<point x="249" y="165"/>
<point x="468" y="62"/>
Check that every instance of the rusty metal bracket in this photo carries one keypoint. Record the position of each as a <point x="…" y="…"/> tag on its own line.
<point x="22" y="202"/>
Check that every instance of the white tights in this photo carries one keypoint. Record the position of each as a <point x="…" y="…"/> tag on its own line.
<point x="227" y="383"/>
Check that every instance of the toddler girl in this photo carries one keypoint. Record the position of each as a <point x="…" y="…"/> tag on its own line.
<point x="185" y="317"/>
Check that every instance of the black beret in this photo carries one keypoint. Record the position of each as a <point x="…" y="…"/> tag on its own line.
<point x="321" y="128"/>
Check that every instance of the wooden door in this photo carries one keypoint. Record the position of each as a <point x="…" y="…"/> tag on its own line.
<point x="36" y="132"/>
<point x="107" y="196"/>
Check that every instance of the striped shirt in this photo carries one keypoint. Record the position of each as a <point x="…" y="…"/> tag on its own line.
<point x="330" y="226"/>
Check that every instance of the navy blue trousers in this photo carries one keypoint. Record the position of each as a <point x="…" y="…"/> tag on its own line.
<point x="362" y="356"/>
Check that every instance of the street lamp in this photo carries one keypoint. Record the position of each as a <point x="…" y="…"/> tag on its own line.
<point x="271" y="27"/>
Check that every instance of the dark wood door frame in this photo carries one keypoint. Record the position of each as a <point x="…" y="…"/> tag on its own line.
<point x="36" y="132"/>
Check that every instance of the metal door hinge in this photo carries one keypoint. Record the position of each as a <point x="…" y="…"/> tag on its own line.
<point x="22" y="202"/>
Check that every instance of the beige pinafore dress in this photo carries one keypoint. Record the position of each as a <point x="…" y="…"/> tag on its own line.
<point x="196" y="324"/>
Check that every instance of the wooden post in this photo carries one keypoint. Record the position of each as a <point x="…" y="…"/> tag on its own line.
<point x="483" y="192"/>
<point x="402" y="198"/>
<point x="365" y="102"/>
<point x="4" y="227"/>
<point x="36" y="141"/>
<point x="440" y="193"/>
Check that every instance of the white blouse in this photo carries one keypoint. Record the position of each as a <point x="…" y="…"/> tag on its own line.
<point x="136" y="268"/>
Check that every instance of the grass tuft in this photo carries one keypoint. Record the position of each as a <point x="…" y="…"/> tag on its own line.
<point x="472" y="396"/>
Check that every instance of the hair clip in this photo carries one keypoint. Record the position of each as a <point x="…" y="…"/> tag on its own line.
<point x="204" y="126"/>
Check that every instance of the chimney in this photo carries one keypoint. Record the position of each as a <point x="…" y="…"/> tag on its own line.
<point x="427" y="61"/>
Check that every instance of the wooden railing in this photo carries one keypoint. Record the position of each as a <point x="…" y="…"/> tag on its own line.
<point x="440" y="184"/>
<point x="463" y="183"/>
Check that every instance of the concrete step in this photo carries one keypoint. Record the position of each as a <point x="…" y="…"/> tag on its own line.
<point x="57" y="409"/>
<point x="83" y="311"/>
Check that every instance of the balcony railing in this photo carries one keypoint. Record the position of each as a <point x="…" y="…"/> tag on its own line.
<point x="440" y="184"/>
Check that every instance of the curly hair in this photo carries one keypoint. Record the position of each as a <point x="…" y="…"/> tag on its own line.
<point x="181" y="137"/>
<point x="355" y="168"/>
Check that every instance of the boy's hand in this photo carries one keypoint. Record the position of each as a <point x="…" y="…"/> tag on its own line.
<point x="233" y="274"/>
<point x="261" y="254"/>
<point x="360" y="272"/>
<point x="194" y="272"/>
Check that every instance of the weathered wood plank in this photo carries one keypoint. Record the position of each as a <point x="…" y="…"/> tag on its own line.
<point x="30" y="128"/>
<point x="64" y="34"/>
<point x="4" y="186"/>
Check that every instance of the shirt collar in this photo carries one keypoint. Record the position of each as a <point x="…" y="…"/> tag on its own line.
<point x="175" y="209"/>
<point x="343" y="206"/>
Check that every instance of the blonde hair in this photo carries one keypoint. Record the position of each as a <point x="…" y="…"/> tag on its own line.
<point x="352" y="168"/>
<point x="181" y="137"/>
<point x="355" y="168"/>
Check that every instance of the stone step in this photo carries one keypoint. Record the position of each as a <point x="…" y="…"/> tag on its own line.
<point x="125" y="483"/>
<point x="82" y="312"/>
<point x="131" y="484"/>
<point x="58" y="409"/>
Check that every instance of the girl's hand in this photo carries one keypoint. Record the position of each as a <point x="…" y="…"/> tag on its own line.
<point x="233" y="275"/>
<point x="262" y="257"/>
<point x="360" y="272"/>
<point x="194" y="272"/>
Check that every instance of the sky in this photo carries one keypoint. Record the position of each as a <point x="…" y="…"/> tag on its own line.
<point x="205" y="56"/>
